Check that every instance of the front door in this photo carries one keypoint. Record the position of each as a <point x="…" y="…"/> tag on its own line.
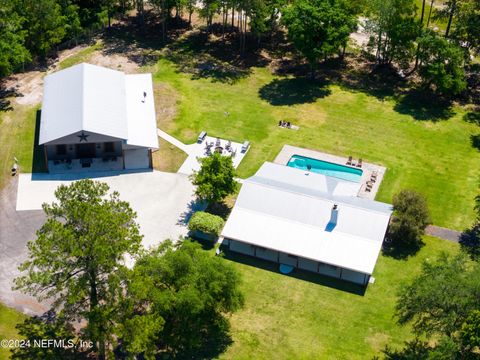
<point x="85" y="150"/>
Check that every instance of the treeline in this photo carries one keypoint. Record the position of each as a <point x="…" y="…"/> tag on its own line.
<point x="30" y="29"/>
<point x="401" y="34"/>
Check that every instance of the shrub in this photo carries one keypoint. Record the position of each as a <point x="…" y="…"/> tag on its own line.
<point x="206" y="223"/>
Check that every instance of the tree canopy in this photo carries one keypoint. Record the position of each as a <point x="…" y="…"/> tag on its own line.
<point x="409" y="219"/>
<point x="318" y="28"/>
<point x="393" y="29"/>
<point x="79" y="254"/>
<point x="216" y="178"/>
<point x="13" y="52"/>
<point x="441" y="64"/>
<point x="176" y="302"/>
<point x="441" y="303"/>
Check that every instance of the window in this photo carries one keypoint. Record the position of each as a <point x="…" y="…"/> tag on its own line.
<point x="61" y="149"/>
<point x="109" y="147"/>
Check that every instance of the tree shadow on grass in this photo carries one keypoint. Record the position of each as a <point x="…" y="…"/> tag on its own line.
<point x="194" y="54"/>
<point x="291" y="91"/>
<point x="470" y="241"/>
<point x="38" y="155"/>
<point x="5" y="98"/>
<point x="424" y="106"/>
<point x="308" y="276"/>
<point x="475" y="141"/>
<point x="220" y="209"/>
<point x="472" y="117"/>
<point x="401" y="251"/>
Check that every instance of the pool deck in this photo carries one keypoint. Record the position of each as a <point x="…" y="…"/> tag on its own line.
<point x="288" y="151"/>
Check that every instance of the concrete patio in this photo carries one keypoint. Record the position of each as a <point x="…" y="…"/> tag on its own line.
<point x="198" y="150"/>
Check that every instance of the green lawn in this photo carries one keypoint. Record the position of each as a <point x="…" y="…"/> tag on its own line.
<point x="8" y="319"/>
<point x="17" y="132"/>
<point x="168" y="157"/>
<point x="81" y="56"/>
<point x="288" y="318"/>
<point x="434" y="157"/>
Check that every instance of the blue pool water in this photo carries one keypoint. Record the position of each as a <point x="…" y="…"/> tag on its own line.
<point x="326" y="168"/>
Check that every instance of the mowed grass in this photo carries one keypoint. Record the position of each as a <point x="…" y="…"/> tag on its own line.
<point x="289" y="318"/>
<point x="433" y="157"/>
<point x="9" y="318"/>
<point x="168" y="157"/>
<point x="80" y="56"/>
<point x="17" y="132"/>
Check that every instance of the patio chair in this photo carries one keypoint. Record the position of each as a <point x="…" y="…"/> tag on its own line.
<point x="279" y="122"/>
<point x="288" y="124"/>
<point x="349" y="161"/>
<point x="217" y="142"/>
<point x="359" y="164"/>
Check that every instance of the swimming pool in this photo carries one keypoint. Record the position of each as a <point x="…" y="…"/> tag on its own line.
<point x="326" y="168"/>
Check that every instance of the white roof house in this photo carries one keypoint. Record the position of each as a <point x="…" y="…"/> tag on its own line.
<point x="91" y="98"/>
<point x="88" y="104"/>
<point x="289" y="210"/>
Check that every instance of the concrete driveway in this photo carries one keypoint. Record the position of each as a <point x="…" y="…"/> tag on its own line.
<point x="163" y="202"/>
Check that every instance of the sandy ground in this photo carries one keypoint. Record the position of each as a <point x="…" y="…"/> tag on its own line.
<point x="360" y="36"/>
<point x="29" y="85"/>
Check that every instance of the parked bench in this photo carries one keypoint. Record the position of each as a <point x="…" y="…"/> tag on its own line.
<point x="245" y="146"/>
<point x="202" y="137"/>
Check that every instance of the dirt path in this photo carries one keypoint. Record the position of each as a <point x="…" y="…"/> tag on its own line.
<point x="29" y="85"/>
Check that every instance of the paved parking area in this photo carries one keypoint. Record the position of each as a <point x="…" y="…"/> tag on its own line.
<point x="163" y="202"/>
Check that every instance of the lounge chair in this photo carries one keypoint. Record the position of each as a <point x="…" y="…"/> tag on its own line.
<point x="280" y="123"/>
<point x="349" y="161"/>
<point x="217" y="142"/>
<point x="245" y="146"/>
<point x="202" y="137"/>
<point x="374" y="175"/>
<point x="288" y="124"/>
<point x="359" y="164"/>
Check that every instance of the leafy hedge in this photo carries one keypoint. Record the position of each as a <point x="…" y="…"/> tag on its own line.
<point x="205" y="222"/>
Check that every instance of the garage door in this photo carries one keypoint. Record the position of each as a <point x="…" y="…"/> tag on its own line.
<point x="136" y="159"/>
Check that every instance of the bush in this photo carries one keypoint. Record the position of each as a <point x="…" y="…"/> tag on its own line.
<point x="409" y="220"/>
<point x="206" y="223"/>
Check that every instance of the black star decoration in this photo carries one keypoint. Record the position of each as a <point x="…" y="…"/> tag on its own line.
<point x="83" y="137"/>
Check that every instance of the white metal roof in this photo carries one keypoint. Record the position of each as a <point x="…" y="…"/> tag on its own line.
<point x="282" y="208"/>
<point x="95" y="99"/>
<point x="142" y="131"/>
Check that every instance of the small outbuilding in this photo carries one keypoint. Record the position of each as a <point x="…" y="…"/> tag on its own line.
<point x="94" y="118"/>
<point x="308" y="220"/>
